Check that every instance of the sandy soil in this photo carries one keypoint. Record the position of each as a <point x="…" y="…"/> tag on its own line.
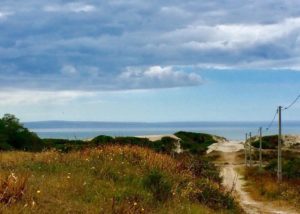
<point x="291" y="141"/>
<point x="158" y="137"/>
<point x="226" y="146"/>
<point x="233" y="181"/>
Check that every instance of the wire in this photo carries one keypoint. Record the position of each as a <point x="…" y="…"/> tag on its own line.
<point x="285" y="108"/>
<point x="271" y="123"/>
<point x="289" y="106"/>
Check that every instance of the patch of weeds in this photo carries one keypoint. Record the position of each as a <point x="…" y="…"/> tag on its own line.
<point x="212" y="195"/>
<point x="12" y="188"/>
<point x="158" y="185"/>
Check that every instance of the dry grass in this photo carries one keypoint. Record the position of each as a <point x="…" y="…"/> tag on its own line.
<point x="12" y="188"/>
<point x="263" y="186"/>
<point x="108" y="179"/>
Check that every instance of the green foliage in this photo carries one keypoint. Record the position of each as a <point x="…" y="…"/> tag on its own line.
<point x="65" y="145"/>
<point x="211" y="195"/>
<point x="202" y="167"/>
<point x="131" y="141"/>
<point x="268" y="142"/>
<point x="165" y="145"/>
<point x="14" y="136"/>
<point x="102" y="139"/>
<point x="290" y="167"/>
<point x="195" y="142"/>
<point x="158" y="184"/>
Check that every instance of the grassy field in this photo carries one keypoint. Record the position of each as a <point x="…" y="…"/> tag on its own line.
<point x="110" y="179"/>
<point x="263" y="183"/>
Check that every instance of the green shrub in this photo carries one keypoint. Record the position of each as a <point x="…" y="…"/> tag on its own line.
<point x="212" y="195"/>
<point x="158" y="185"/>
<point x="132" y="141"/>
<point x="268" y="142"/>
<point x="166" y="145"/>
<point x="102" y="139"/>
<point x="65" y="145"/>
<point x="195" y="142"/>
<point x="201" y="167"/>
<point x="290" y="167"/>
<point x="14" y="135"/>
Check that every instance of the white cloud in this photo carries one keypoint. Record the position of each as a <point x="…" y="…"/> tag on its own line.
<point x="157" y="76"/>
<point x="69" y="70"/>
<point x="232" y="36"/>
<point x="27" y="97"/>
<point x="4" y="15"/>
<point x="70" y="7"/>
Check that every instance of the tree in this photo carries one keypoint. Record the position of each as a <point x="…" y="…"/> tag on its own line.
<point x="14" y="135"/>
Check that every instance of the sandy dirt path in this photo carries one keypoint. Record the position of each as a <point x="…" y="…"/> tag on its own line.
<point x="232" y="180"/>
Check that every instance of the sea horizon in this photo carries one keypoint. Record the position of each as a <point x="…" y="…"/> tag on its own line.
<point x="232" y="130"/>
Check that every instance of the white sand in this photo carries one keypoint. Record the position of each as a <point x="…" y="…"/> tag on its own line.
<point x="291" y="141"/>
<point x="226" y="146"/>
<point x="158" y="137"/>
<point x="232" y="180"/>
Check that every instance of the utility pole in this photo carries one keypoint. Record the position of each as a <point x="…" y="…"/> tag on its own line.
<point x="260" y="148"/>
<point x="250" y="149"/>
<point x="245" y="147"/>
<point x="279" y="170"/>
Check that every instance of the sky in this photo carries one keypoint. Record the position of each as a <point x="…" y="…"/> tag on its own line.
<point x="150" y="61"/>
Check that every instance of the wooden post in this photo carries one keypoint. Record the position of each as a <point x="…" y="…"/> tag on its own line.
<point x="245" y="148"/>
<point x="260" y="148"/>
<point x="279" y="170"/>
<point x="250" y="149"/>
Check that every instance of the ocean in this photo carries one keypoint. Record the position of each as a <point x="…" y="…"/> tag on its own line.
<point x="87" y="130"/>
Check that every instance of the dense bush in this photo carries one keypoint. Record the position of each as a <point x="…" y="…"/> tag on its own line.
<point x="201" y="167"/>
<point x="158" y="184"/>
<point x="212" y="195"/>
<point x="64" y="145"/>
<point x="165" y="145"/>
<point x="268" y="142"/>
<point x="14" y="135"/>
<point x="290" y="167"/>
<point x="195" y="142"/>
<point x="101" y="139"/>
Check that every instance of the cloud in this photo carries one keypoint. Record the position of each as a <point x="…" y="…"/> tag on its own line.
<point x="70" y="7"/>
<point x="233" y="36"/>
<point x="28" y="97"/>
<point x="90" y="46"/>
<point x="157" y="76"/>
<point x="4" y="14"/>
<point x="69" y="70"/>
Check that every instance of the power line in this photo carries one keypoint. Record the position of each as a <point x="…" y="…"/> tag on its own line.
<point x="271" y="123"/>
<point x="289" y="106"/>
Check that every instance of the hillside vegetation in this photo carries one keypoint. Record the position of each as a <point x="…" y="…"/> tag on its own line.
<point x="110" y="179"/>
<point x="13" y="136"/>
<point x="268" y="142"/>
<point x="263" y="183"/>
<point x="107" y="175"/>
<point x="196" y="143"/>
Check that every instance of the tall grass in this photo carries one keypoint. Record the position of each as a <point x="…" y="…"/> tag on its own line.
<point x="264" y="186"/>
<point x="108" y="179"/>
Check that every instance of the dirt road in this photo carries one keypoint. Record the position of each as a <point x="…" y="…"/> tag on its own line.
<point x="229" y="163"/>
